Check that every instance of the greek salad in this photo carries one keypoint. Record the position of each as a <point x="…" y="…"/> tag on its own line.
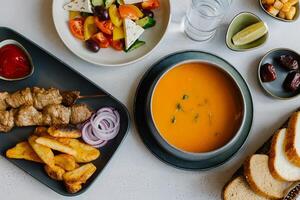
<point x="111" y="23"/>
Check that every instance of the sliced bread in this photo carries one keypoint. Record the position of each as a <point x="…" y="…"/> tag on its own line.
<point x="292" y="147"/>
<point x="280" y="166"/>
<point x="261" y="181"/>
<point x="238" y="189"/>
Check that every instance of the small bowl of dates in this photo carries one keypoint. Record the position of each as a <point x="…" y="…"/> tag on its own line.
<point x="279" y="73"/>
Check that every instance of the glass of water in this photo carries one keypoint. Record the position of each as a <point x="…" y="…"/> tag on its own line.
<point x="204" y="17"/>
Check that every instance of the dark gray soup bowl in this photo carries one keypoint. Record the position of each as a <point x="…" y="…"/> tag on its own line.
<point x="189" y="155"/>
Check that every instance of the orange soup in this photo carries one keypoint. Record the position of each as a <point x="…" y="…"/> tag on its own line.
<point x="197" y="107"/>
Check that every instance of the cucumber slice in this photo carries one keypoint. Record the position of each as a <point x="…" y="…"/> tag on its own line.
<point x="97" y="2"/>
<point x="146" y="22"/>
<point x="137" y="44"/>
<point x="108" y="3"/>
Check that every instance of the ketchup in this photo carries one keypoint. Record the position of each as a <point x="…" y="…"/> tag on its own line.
<point x="14" y="62"/>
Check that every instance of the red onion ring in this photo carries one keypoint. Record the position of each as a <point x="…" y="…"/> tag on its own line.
<point x="89" y="138"/>
<point x="104" y="125"/>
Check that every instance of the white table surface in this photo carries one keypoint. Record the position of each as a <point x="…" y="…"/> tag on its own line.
<point x="134" y="173"/>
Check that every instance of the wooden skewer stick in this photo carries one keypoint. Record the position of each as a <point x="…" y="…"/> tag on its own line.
<point x="70" y="97"/>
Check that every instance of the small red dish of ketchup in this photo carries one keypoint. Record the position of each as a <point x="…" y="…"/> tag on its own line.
<point x="15" y="62"/>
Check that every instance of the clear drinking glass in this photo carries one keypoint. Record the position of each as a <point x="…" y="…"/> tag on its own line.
<point x="204" y="17"/>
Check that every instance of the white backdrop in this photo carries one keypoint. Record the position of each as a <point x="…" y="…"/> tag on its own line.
<point x="134" y="173"/>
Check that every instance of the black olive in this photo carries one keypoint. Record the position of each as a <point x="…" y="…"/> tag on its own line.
<point x="148" y="13"/>
<point x="268" y="73"/>
<point x="101" y="12"/>
<point x="292" y="81"/>
<point x="92" y="45"/>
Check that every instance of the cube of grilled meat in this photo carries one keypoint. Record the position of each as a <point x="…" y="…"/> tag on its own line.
<point x="69" y="97"/>
<point x="6" y="121"/>
<point x="20" y="98"/>
<point x="80" y="113"/>
<point x="56" y="114"/>
<point x="43" y="98"/>
<point x="28" y="116"/>
<point x="3" y="96"/>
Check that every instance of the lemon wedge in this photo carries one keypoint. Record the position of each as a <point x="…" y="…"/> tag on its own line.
<point x="250" y="34"/>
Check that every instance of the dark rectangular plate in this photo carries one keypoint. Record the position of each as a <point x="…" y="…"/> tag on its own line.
<point x="51" y="72"/>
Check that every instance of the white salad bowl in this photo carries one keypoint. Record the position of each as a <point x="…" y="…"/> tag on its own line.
<point x="109" y="56"/>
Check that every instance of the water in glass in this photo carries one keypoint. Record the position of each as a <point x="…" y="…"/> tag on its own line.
<point x="204" y="17"/>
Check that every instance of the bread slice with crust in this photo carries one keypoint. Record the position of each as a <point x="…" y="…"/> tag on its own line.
<point x="238" y="189"/>
<point x="292" y="147"/>
<point x="258" y="175"/>
<point x="280" y="166"/>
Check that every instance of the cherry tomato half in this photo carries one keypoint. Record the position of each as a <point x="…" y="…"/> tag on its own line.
<point x="77" y="28"/>
<point x="104" y="26"/>
<point x="150" y="4"/>
<point x="101" y="40"/>
<point x="117" y="45"/>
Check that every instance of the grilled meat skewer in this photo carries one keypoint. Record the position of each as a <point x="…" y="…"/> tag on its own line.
<point x="41" y="98"/>
<point x="50" y="115"/>
<point x="37" y="97"/>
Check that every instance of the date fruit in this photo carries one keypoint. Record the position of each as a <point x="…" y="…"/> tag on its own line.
<point x="268" y="73"/>
<point x="288" y="62"/>
<point x="292" y="81"/>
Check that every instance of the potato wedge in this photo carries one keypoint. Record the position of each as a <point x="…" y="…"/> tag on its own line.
<point x="24" y="151"/>
<point x="45" y="153"/>
<point x="85" y="153"/>
<point x="55" y="172"/>
<point x="64" y="131"/>
<point x="65" y="161"/>
<point x="55" y="145"/>
<point x="77" y="165"/>
<point x="73" y="187"/>
<point x="81" y="174"/>
<point x="88" y="173"/>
